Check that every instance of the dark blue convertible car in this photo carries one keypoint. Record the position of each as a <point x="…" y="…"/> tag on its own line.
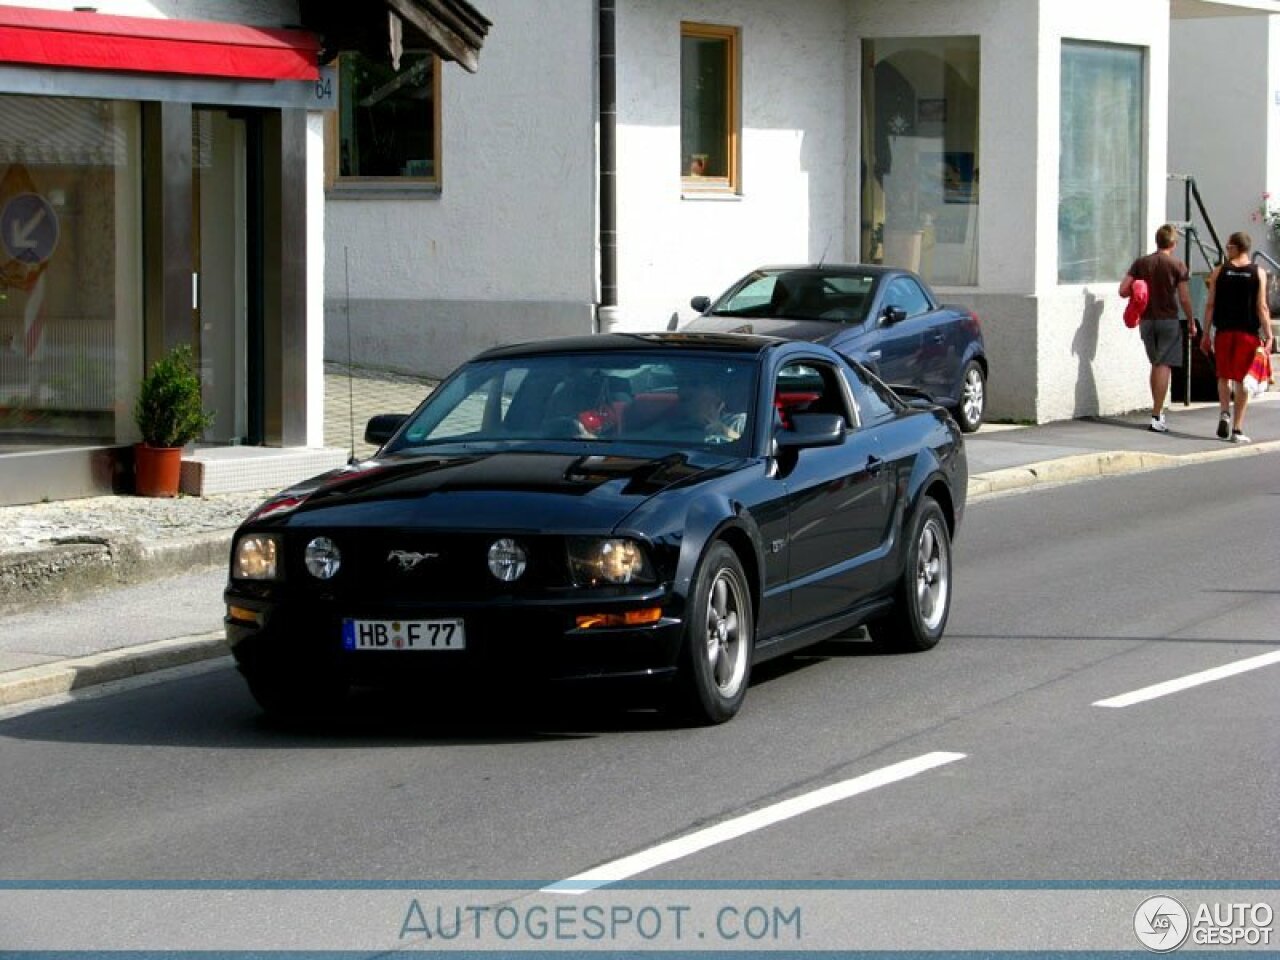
<point x="885" y="318"/>
<point x="662" y="508"/>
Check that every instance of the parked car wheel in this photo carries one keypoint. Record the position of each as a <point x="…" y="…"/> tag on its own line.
<point x="719" y="636"/>
<point x="973" y="398"/>
<point x="923" y="597"/>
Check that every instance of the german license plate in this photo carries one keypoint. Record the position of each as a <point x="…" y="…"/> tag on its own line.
<point x="403" y="635"/>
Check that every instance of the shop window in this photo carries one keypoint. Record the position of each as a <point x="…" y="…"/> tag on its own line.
<point x="920" y="156"/>
<point x="70" y="334"/>
<point x="1100" y="194"/>
<point x="708" y="107"/>
<point x="388" y="120"/>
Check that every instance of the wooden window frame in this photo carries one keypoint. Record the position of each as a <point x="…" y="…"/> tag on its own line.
<point x="731" y="183"/>
<point x="332" y="133"/>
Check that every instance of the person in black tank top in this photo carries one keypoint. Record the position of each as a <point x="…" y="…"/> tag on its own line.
<point x="1236" y="323"/>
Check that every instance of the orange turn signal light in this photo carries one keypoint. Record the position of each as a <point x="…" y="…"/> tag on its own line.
<point x="244" y="615"/>
<point x="632" y="618"/>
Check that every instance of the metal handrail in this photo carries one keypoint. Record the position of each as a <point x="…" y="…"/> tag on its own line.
<point x="1275" y="266"/>
<point x="1192" y="192"/>
<point x="1259" y="255"/>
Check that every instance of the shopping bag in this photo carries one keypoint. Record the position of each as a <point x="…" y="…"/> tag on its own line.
<point x="1258" y="379"/>
<point x="1139" y="297"/>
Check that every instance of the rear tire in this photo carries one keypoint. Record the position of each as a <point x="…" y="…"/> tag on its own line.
<point x="922" y="600"/>
<point x="719" y="638"/>
<point x="972" y="407"/>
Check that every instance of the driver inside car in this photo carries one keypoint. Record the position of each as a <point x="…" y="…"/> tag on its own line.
<point x="702" y="407"/>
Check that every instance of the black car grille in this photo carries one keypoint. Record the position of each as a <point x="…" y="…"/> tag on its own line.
<point x="409" y="566"/>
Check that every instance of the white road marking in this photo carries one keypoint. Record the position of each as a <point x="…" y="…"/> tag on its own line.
<point x="1191" y="680"/>
<point x="747" y="823"/>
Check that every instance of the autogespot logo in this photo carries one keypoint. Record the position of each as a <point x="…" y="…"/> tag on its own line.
<point x="1161" y="924"/>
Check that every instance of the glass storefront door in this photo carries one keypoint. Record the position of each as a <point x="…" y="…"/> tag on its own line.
<point x="219" y="282"/>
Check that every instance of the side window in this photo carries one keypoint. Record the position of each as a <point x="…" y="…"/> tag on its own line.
<point x="873" y="399"/>
<point x="387" y="125"/>
<point x="809" y="387"/>
<point x="906" y="293"/>
<point x="708" y="107"/>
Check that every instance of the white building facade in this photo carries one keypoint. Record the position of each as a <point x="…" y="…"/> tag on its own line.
<point x="1016" y="152"/>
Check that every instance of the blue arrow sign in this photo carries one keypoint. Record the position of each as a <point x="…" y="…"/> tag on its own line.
<point x="29" y="228"/>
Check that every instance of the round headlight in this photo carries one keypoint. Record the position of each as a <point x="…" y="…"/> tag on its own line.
<point x="256" y="557"/>
<point x="507" y="560"/>
<point x="323" y="558"/>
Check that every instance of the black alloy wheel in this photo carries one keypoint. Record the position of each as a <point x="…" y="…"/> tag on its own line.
<point x="972" y="407"/>
<point x="922" y="600"/>
<point x="719" y="637"/>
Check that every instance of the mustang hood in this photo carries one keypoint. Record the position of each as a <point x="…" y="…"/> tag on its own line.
<point x="816" y="330"/>
<point x="478" y="491"/>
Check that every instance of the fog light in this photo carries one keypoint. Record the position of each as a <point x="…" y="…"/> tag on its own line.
<point x="323" y="558"/>
<point x="507" y="560"/>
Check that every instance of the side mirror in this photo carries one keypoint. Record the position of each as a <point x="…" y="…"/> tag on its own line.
<point x="382" y="428"/>
<point x="812" y="430"/>
<point x="701" y="304"/>
<point x="894" y="315"/>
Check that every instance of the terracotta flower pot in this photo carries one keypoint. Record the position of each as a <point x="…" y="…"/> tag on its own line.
<point x="157" y="470"/>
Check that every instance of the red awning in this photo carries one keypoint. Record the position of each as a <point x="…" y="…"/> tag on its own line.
<point x="99" y="41"/>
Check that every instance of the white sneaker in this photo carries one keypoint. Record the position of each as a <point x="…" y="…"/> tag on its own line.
<point x="1238" y="437"/>
<point x="1158" y="424"/>
<point x="1224" y="426"/>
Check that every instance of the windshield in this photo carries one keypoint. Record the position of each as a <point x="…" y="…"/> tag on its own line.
<point x="801" y="294"/>
<point x="672" y="400"/>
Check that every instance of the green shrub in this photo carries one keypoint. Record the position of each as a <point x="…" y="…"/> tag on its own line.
<point x="169" y="412"/>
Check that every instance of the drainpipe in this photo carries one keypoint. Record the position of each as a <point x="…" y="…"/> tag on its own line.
<point x="607" y="309"/>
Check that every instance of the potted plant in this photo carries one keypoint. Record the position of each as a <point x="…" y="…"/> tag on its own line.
<point x="169" y="414"/>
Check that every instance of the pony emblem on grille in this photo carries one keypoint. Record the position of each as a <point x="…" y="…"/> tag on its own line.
<point x="409" y="560"/>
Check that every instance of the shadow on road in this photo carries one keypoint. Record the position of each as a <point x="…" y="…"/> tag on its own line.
<point x="213" y="709"/>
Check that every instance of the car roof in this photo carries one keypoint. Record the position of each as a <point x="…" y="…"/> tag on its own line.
<point x="868" y="269"/>
<point x="740" y="343"/>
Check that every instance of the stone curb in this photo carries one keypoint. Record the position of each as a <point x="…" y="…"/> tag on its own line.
<point x="68" y="569"/>
<point x="64" y="676"/>
<point x="1085" y="466"/>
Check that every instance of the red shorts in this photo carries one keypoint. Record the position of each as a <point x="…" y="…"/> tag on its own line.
<point x="1233" y="352"/>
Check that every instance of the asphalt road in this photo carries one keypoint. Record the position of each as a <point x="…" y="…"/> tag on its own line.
<point x="1064" y="597"/>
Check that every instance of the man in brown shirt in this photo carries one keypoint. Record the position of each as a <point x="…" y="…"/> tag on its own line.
<point x="1162" y="334"/>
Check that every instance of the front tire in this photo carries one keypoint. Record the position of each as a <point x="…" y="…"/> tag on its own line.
<point x="922" y="600"/>
<point x="719" y="637"/>
<point x="973" y="397"/>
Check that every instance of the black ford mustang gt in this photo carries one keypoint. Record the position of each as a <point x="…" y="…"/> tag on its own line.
<point x="642" y="507"/>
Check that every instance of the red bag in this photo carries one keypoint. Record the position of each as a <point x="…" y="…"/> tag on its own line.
<point x="1258" y="379"/>
<point x="1139" y="297"/>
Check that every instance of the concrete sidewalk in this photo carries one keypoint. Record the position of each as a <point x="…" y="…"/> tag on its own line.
<point x="63" y="552"/>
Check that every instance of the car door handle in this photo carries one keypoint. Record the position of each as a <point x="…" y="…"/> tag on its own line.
<point x="873" y="355"/>
<point x="873" y="466"/>
<point x="937" y="337"/>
